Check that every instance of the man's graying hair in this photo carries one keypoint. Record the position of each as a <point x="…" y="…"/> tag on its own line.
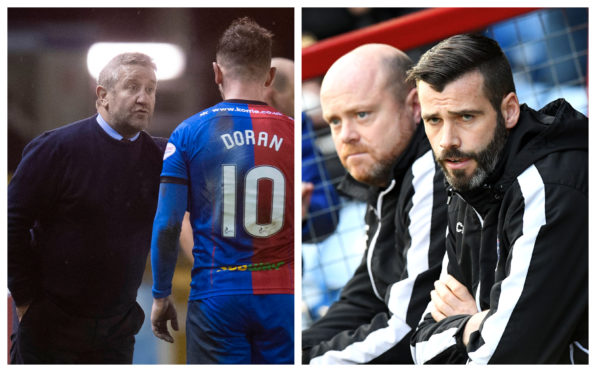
<point x="460" y="54"/>
<point x="108" y="77"/>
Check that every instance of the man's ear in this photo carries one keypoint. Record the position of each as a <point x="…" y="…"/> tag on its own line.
<point x="413" y="104"/>
<point x="510" y="110"/>
<point x="217" y="73"/>
<point x="101" y="93"/>
<point x="270" y="76"/>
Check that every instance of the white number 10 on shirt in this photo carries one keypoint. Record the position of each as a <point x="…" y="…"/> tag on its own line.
<point x="251" y="198"/>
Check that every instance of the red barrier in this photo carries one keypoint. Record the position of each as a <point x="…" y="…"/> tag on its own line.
<point x="407" y="32"/>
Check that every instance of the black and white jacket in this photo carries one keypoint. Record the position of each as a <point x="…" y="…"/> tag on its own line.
<point x="384" y="300"/>
<point x="520" y="245"/>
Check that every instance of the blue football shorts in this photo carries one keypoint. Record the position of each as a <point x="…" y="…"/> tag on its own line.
<point x="241" y="329"/>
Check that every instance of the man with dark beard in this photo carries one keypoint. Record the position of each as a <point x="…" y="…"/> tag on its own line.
<point x="517" y="236"/>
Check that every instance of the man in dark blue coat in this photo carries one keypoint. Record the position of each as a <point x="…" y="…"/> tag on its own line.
<point x="80" y="211"/>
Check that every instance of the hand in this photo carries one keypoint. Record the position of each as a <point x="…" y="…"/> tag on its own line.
<point x="450" y="297"/>
<point x="21" y="310"/>
<point x="473" y="325"/>
<point x="307" y="189"/>
<point x="163" y="310"/>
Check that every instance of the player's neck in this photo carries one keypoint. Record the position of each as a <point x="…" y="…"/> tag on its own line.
<point x="249" y="92"/>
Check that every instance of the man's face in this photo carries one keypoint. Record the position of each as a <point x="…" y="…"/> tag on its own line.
<point x="464" y="130"/>
<point x="369" y="127"/>
<point x="132" y="100"/>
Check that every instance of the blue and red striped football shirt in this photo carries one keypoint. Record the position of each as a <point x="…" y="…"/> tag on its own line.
<point x="238" y="160"/>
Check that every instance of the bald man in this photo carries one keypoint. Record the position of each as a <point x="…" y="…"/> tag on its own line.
<point x="320" y="202"/>
<point x="374" y="119"/>
<point x="280" y="94"/>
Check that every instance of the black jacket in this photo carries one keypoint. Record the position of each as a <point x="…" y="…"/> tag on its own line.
<point x="384" y="300"/>
<point x="520" y="245"/>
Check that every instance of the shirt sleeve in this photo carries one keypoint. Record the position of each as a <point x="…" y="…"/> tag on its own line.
<point x="541" y="293"/>
<point x="439" y="342"/>
<point x="171" y="207"/>
<point x="176" y="154"/>
<point x="338" y="327"/>
<point x="420" y="238"/>
<point x="31" y="193"/>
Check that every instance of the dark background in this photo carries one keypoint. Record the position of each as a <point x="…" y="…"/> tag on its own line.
<point x="48" y="83"/>
<point x="49" y="86"/>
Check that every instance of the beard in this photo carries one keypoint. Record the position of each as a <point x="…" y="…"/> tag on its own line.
<point x="376" y="172"/>
<point x="486" y="160"/>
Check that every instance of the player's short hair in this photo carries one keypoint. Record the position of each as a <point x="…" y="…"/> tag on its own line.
<point x="108" y="77"/>
<point x="244" y="49"/>
<point x="460" y="54"/>
<point x="396" y="67"/>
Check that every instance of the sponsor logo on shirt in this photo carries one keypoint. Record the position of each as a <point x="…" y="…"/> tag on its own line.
<point x="253" y="267"/>
<point x="170" y="149"/>
<point x="240" y="109"/>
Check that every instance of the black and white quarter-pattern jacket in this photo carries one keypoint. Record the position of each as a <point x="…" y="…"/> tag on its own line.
<point x="382" y="303"/>
<point x="520" y="245"/>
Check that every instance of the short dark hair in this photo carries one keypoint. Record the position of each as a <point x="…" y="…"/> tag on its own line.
<point x="460" y="54"/>
<point x="244" y="48"/>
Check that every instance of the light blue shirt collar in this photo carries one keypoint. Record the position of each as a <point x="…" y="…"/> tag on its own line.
<point x="111" y="131"/>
